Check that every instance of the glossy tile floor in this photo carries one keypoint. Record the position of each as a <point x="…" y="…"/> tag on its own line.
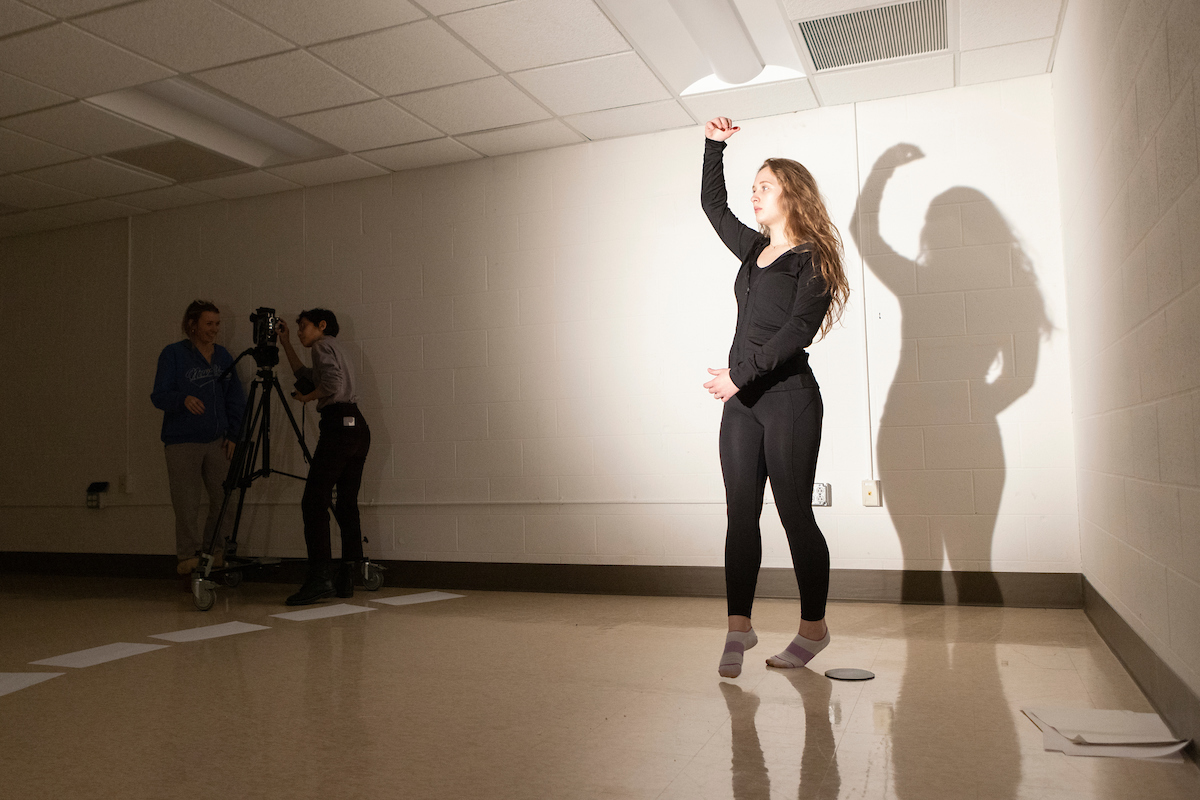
<point x="501" y="695"/>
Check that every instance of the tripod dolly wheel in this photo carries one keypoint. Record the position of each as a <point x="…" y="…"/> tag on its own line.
<point x="373" y="578"/>
<point x="204" y="597"/>
<point x="233" y="578"/>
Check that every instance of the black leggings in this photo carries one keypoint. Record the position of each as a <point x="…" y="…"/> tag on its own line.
<point x="778" y="437"/>
<point x="338" y="461"/>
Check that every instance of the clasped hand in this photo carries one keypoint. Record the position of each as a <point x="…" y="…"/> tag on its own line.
<point x="721" y="387"/>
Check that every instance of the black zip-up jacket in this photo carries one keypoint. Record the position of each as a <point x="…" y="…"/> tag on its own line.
<point x="780" y="306"/>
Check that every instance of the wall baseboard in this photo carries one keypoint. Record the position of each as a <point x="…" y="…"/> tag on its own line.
<point x="1173" y="699"/>
<point x="1011" y="589"/>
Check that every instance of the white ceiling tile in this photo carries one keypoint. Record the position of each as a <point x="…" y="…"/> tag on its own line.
<point x="1005" y="61"/>
<point x="24" y="193"/>
<point x="83" y="127"/>
<point x="95" y="211"/>
<point x="68" y="60"/>
<point x="186" y="35"/>
<point x="763" y="100"/>
<point x="16" y="16"/>
<point x="656" y="30"/>
<point x="29" y="222"/>
<point x="286" y="84"/>
<point x="534" y="33"/>
<point x="405" y="59"/>
<point x="420" y="154"/>
<point x="329" y="170"/>
<point x="19" y="153"/>
<point x="985" y="23"/>
<point x="166" y="197"/>
<point x="95" y="177"/>
<point x="631" y="120"/>
<point x="70" y="8"/>
<point x="538" y="136"/>
<point x="365" y="126"/>
<point x="246" y="184"/>
<point x="605" y="82"/>
<point x="885" y="80"/>
<point x="18" y="96"/>
<point x="475" y="106"/>
<point x="307" y="22"/>
<point x="813" y="9"/>
<point x="439" y="7"/>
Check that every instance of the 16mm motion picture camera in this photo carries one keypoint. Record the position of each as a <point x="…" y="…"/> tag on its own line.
<point x="265" y="324"/>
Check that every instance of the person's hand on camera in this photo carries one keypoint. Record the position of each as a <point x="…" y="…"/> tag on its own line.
<point x="720" y="128"/>
<point x="194" y="405"/>
<point x="281" y="328"/>
<point x="305" y="398"/>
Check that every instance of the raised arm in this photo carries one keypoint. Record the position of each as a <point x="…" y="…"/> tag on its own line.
<point x="864" y="225"/>
<point x="739" y="238"/>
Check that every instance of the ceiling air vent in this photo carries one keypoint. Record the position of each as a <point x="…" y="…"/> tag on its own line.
<point x="903" y="29"/>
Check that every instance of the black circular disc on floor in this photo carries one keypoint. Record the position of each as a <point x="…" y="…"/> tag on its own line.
<point x="848" y="674"/>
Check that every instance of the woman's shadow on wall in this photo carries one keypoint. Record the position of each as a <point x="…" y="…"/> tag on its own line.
<point x="972" y="320"/>
<point x="972" y="317"/>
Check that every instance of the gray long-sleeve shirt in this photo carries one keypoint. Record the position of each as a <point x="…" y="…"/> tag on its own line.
<point x="332" y="372"/>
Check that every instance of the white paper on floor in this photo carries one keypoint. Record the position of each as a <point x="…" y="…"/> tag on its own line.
<point x="98" y="655"/>
<point x="1101" y="732"/>
<point x="321" y="612"/>
<point x="209" y="632"/>
<point x="410" y="599"/>
<point x="14" y="681"/>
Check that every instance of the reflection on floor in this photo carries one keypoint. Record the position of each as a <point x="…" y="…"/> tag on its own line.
<point x="499" y="695"/>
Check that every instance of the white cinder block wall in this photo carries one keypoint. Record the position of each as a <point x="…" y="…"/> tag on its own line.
<point x="1124" y="84"/>
<point x="533" y="332"/>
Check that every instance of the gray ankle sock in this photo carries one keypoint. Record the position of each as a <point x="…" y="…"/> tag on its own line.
<point x="799" y="652"/>
<point x="736" y="644"/>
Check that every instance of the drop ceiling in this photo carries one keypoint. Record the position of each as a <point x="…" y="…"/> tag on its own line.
<point x="288" y="93"/>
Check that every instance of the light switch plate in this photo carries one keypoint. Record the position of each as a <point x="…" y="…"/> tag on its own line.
<point x="871" y="495"/>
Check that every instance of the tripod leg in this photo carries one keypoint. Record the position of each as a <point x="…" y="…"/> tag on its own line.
<point x="292" y="419"/>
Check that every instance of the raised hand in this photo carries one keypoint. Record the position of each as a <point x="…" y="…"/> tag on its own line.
<point x="898" y="155"/>
<point x="720" y="128"/>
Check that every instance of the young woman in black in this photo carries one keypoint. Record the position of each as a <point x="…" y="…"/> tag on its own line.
<point x="790" y="288"/>
<point x="338" y="460"/>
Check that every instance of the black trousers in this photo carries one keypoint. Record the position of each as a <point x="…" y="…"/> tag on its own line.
<point x="338" y="461"/>
<point x="778" y="436"/>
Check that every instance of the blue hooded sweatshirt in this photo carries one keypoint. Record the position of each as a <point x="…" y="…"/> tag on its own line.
<point x="182" y="371"/>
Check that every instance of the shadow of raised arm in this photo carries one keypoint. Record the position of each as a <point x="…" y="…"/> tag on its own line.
<point x="864" y="225"/>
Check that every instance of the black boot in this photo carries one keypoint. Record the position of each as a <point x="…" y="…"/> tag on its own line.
<point x="343" y="581"/>
<point x="316" y="586"/>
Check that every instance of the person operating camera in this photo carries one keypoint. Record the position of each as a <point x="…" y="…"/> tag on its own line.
<point x="338" y="459"/>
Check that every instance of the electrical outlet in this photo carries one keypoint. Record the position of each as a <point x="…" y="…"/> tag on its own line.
<point x="822" y="494"/>
<point x="870" y="494"/>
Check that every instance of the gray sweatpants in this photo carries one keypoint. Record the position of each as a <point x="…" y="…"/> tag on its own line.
<point x="189" y="465"/>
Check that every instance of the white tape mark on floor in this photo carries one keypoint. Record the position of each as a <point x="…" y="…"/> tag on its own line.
<point x="321" y="612"/>
<point x="98" y="655"/>
<point x="15" y="681"/>
<point x="210" y="632"/>
<point x="410" y="599"/>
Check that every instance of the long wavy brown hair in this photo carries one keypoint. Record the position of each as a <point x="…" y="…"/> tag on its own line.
<point x="808" y="221"/>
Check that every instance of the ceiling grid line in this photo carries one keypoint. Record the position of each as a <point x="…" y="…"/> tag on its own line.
<point x="572" y="71"/>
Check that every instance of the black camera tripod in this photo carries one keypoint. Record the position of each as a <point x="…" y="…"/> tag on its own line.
<point x="253" y="447"/>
